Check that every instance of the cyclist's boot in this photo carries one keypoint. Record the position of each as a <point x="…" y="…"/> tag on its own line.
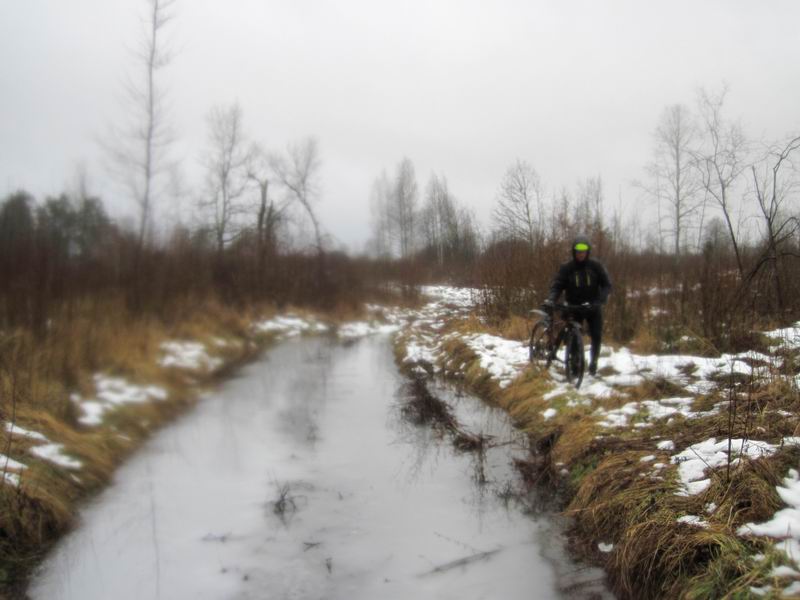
<point x="593" y="365"/>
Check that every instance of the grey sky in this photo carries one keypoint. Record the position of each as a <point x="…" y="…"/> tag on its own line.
<point x="460" y="87"/>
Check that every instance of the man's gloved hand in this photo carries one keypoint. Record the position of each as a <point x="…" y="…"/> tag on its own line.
<point x="548" y="304"/>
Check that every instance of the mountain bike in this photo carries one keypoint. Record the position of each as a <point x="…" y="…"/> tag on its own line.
<point x="559" y="324"/>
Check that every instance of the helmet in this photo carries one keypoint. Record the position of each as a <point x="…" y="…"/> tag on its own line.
<point x="581" y="244"/>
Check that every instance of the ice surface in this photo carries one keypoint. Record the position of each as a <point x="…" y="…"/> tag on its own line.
<point x="358" y="329"/>
<point x="375" y="503"/>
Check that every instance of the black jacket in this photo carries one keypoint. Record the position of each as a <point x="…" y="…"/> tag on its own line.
<point x="585" y="281"/>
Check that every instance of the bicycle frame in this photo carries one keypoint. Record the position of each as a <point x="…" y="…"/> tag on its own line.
<point x="566" y="320"/>
<point x="560" y="323"/>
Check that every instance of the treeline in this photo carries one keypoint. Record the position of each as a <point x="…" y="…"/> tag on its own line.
<point x="436" y="237"/>
<point x="718" y="260"/>
<point x="63" y="255"/>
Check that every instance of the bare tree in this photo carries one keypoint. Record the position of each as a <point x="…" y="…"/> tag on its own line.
<point x="403" y="207"/>
<point x="518" y="213"/>
<point x="138" y="151"/>
<point x="589" y="206"/>
<point x="721" y="160"/>
<point x="675" y="185"/>
<point x="774" y="191"/>
<point x="269" y="212"/>
<point x="226" y="164"/>
<point x="439" y="218"/>
<point x="380" y="199"/>
<point x="298" y="172"/>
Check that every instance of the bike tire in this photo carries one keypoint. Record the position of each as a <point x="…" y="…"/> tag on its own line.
<point x="537" y="344"/>
<point x="574" y="358"/>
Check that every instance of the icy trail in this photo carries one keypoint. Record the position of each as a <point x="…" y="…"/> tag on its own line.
<point x="372" y="505"/>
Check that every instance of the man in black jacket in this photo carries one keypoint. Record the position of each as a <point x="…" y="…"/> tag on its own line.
<point x="585" y="282"/>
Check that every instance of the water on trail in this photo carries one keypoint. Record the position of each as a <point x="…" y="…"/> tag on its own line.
<point x="301" y="479"/>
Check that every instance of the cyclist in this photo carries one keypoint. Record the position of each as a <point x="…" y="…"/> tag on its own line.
<point x="584" y="281"/>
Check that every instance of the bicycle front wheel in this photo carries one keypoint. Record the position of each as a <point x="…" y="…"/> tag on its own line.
<point x="537" y="345"/>
<point x="574" y="359"/>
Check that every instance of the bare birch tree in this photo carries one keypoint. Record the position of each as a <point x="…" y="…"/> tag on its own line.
<point x="589" y="207"/>
<point x="439" y="218"/>
<point x="518" y="213"/>
<point x="775" y="190"/>
<point x="226" y="163"/>
<point x="380" y="199"/>
<point x="138" y="150"/>
<point x="298" y="172"/>
<point x="269" y="213"/>
<point x="675" y="184"/>
<point x="721" y="161"/>
<point x="403" y="207"/>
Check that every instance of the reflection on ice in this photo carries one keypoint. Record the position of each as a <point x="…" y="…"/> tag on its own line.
<point x="299" y="479"/>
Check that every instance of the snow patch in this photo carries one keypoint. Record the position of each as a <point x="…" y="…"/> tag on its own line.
<point x="711" y="454"/>
<point x="785" y="524"/>
<point x="54" y="453"/>
<point x="187" y="355"/>
<point x="14" y="429"/>
<point x="693" y="520"/>
<point x="290" y="326"/>
<point x="112" y="392"/>
<point x="503" y="359"/>
<point x="7" y="463"/>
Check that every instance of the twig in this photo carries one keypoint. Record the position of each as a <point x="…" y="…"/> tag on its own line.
<point x="461" y="562"/>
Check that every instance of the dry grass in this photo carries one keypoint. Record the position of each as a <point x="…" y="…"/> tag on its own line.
<point x="515" y="328"/>
<point x="616" y="493"/>
<point x="659" y="558"/>
<point x="468" y="325"/>
<point x="462" y="362"/>
<point x="523" y="399"/>
<point x="749" y="495"/>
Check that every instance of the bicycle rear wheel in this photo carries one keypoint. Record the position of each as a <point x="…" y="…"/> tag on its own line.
<point x="574" y="359"/>
<point x="537" y="344"/>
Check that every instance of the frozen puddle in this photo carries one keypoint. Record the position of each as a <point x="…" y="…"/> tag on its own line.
<point x="299" y="479"/>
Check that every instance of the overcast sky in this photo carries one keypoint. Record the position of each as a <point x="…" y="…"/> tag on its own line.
<point x="460" y="87"/>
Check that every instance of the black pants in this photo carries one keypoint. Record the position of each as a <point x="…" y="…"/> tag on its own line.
<point x="594" y="323"/>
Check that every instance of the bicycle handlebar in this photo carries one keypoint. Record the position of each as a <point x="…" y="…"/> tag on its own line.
<point x="564" y="307"/>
